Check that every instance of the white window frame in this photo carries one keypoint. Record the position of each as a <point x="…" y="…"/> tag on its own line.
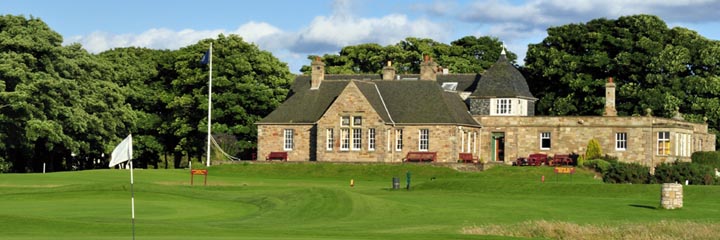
<point x="398" y="140"/>
<point x="344" y="139"/>
<point x="344" y="121"/>
<point x="329" y="139"/>
<point x="371" y="139"/>
<point x="545" y="136"/>
<point x="288" y="142"/>
<point x="423" y="139"/>
<point x="620" y="141"/>
<point x="356" y="139"/>
<point x="462" y="141"/>
<point x="357" y="121"/>
<point x="503" y="106"/>
<point x="663" y="144"/>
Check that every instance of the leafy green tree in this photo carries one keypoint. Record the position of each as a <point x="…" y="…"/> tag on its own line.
<point x="248" y="84"/>
<point x="59" y="109"/>
<point x="655" y="67"/>
<point x="466" y="55"/>
<point x="144" y="76"/>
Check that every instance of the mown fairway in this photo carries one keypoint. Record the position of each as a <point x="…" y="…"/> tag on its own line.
<point x="315" y="201"/>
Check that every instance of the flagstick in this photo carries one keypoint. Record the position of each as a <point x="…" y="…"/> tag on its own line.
<point x="209" y="107"/>
<point x="132" y="199"/>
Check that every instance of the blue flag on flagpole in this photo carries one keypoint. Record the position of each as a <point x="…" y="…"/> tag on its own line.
<point x="206" y="58"/>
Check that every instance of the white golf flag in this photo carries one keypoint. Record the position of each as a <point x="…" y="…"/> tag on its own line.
<point x="122" y="152"/>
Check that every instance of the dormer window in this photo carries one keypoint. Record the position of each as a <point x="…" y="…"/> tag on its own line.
<point x="450" y="86"/>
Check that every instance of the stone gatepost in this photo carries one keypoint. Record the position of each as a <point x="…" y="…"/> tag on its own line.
<point x="671" y="196"/>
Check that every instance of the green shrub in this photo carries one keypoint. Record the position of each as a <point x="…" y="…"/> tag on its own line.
<point x="621" y="172"/>
<point x="598" y="165"/>
<point x="593" y="150"/>
<point x="711" y="159"/>
<point x="5" y="166"/>
<point x="580" y="161"/>
<point x="680" y="171"/>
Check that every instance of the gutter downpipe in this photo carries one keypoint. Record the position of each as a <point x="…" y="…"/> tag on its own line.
<point x="392" y="155"/>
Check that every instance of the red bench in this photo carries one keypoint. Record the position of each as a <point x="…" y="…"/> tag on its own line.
<point x="420" y="157"/>
<point x="282" y="156"/>
<point x="562" y="159"/>
<point x="537" y="159"/>
<point x="467" y="158"/>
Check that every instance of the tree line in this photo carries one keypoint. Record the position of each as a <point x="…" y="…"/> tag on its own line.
<point x="66" y="108"/>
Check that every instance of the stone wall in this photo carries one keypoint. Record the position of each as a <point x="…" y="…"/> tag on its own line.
<point x="270" y="139"/>
<point x="351" y="103"/>
<point x="571" y="134"/>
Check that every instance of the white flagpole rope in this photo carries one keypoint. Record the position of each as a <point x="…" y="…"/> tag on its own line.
<point x="223" y="152"/>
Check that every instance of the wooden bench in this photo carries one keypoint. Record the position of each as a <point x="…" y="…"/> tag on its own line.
<point x="537" y="159"/>
<point x="420" y="157"/>
<point x="467" y="158"/>
<point x="562" y="159"/>
<point x="282" y="156"/>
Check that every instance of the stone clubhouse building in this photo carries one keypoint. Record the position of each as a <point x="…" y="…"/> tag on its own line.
<point x="383" y="117"/>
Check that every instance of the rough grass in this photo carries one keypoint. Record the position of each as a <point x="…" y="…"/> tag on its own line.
<point x="636" y="231"/>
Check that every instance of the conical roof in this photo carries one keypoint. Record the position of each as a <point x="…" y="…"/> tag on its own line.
<point x="502" y="80"/>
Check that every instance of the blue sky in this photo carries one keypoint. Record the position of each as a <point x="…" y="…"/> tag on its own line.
<point x="292" y="29"/>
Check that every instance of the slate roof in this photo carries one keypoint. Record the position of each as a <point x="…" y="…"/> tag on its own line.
<point x="466" y="82"/>
<point x="502" y="80"/>
<point x="407" y="101"/>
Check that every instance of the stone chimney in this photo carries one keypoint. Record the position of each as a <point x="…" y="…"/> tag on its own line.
<point x="388" y="72"/>
<point x="428" y="69"/>
<point x="610" y="110"/>
<point x="318" y="73"/>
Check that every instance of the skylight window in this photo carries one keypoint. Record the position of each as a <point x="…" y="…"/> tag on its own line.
<point x="450" y="86"/>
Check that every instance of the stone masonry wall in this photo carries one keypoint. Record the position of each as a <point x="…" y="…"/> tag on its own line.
<point x="671" y="196"/>
<point x="270" y="139"/>
<point x="351" y="103"/>
<point x="571" y="134"/>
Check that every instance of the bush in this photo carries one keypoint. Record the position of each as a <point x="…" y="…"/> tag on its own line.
<point x="5" y="166"/>
<point x="680" y="171"/>
<point x="711" y="159"/>
<point x="627" y="173"/>
<point x="593" y="150"/>
<point x="598" y="165"/>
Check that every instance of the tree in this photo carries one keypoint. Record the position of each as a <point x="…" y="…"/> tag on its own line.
<point x="59" y="108"/>
<point x="593" y="150"/>
<point x="466" y="55"/>
<point x="654" y="68"/>
<point x="247" y="85"/>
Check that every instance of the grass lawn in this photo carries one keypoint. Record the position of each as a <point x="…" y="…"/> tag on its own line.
<point x="315" y="201"/>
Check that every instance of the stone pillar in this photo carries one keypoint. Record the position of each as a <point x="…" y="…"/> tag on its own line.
<point x="671" y="196"/>
<point x="388" y="72"/>
<point x="428" y="69"/>
<point x="318" y="73"/>
<point x="610" y="110"/>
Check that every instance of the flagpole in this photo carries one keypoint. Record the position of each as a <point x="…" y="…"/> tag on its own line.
<point x="132" y="199"/>
<point x="209" y="107"/>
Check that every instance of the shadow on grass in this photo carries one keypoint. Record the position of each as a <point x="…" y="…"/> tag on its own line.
<point x="643" y="206"/>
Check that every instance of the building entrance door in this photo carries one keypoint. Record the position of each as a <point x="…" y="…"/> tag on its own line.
<point x="498" y="146"/>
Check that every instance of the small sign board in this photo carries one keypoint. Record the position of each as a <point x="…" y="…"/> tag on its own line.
<point x="194" y="172"/>
<point x="565" y="170"/>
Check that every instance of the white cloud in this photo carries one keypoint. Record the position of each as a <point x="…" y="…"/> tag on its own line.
<point x="324" y="34"/>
